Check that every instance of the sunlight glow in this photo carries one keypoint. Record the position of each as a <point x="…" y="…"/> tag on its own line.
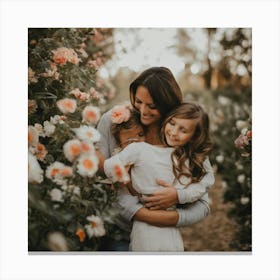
<point x="140" y="48"/>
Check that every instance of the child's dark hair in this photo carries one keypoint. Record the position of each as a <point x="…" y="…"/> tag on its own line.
<point x="134" y="120"/>
<point x="199" y="146"/>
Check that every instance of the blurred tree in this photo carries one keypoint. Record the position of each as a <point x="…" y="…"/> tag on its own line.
<point x="229" y="103"/>
<point x="183" y="47"/>
<point x="236" y="63"/>
<point x="207" y="75"/>
<point x="121" y="81"/>
<point x="222" y="59"/>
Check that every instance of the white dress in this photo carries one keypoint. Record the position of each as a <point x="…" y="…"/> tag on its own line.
<point x="149" y="163"/>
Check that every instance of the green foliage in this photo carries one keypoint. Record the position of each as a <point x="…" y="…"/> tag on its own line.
<point x="63" y="63"/>
<point x="230" y="118"/>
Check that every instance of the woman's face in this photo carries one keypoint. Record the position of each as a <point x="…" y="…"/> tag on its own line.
<point x="179" y="132"/>
<point x="145" y="104"/>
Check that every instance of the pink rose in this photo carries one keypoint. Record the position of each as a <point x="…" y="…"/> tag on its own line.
<point x="60" y="55"/>
<point x="120" y="113"/>
<point x="241" y="141"/>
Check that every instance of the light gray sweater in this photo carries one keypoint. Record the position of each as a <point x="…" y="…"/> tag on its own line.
<point x="192" y="212"/>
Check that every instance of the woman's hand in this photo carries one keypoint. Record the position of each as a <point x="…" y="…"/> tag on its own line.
<point x="162" y="199"/>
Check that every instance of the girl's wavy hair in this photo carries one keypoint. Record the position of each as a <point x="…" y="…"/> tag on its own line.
<point x="199" y="146"/>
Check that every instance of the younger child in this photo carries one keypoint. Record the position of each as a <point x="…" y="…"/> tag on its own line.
<point x="180" y="161"/>
<point x="126" y="129"/>
<point x="126" y="126"/>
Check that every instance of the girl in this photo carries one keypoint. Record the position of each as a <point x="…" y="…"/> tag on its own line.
<point x="179" y="160"/>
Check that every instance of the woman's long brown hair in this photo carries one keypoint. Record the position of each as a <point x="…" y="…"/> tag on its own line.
<point x="162" y="86"/>
<point x="188" y="160"/>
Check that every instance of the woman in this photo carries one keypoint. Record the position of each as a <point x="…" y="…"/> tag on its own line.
<point x="155" y="93"/>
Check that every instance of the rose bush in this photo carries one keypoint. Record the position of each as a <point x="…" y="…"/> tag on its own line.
<point x="68" y="203"/>
<point x="233" y="158"/>
<point x="230" y="114"/>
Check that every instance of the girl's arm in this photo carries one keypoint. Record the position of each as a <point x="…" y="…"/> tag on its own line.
<point x="195" y="191"/>
<point x="115" y="167"/>
<point x="170" y="196"/>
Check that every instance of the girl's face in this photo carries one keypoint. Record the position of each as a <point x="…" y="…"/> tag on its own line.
<point x="145" y="104"/>
<point x="179" y="132"/>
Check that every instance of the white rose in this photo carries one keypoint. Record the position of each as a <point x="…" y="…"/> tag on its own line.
<point x="57" y="242"/>
<point x="56" y="195"/>
<point x="49" y="128"/>
<point x="220" y="158"/>
<point x="224" y="184"/>
<point x="223" y="100"/>
<point x="241" y="124"/>
<point x="241" y="178"/>
<point x="244" y="200"/>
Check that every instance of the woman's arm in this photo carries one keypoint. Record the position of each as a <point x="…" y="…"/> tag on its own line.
<point x="130" y="208"/>
<point x="159" y="218"/>
<point x="107" y="142"/>
<point x="191" y="214"/>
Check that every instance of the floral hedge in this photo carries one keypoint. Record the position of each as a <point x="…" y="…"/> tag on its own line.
<point x="230" y="112"/>
<point x="68" y="201"/>
<point x="232" y="154"/>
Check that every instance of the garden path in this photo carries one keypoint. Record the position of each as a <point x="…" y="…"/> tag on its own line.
<point x="216" y="232"/>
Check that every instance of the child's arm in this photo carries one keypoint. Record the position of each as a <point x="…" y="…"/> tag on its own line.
<point x="115" y="169"/>
<point x="169" y="196"/>
<point x="194" y="191"/>
<point x="194" y="212"/>
<point x="115" y="166"/>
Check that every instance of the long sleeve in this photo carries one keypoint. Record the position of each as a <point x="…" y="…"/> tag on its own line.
<point x="195" y="191"/>
<point x="107" y="142"/>
<point x="194" y="213"/>
<point x="128" y="204"/>
<point x="128" y="156"/>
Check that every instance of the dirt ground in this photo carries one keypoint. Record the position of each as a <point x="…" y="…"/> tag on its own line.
<point x="216" y="232"/>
